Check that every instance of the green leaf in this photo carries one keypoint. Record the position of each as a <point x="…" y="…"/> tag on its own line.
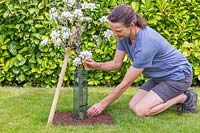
<point x="31" y="10"/>
<point x="39" y="18"/>
<point x="5" y="54"/>
<point x="39" y="61"/>
<point x="19" y="57"/>
<point x="25" y="68"/>
<point x="52" y="66"/>
<point x="30" y="21"/>
<point x="23" y="50"/>
<point x="98" y="51"/>
<point x="34" y="70"/>
<point x="21" y="78"/>
<point x="135" y="6"/>
<point x="33" y="29"/>
<point x="39" y="26"/>
<point x="153" y="21"/>
<point x="23" y="12"/>
<point x="107" y="77"/>
<point x="11" y="26"/>
<point x="15" y="70"/>
<point x="44" y="63"/>
<point x="5" y="47"/>
<point x="54" y="81"/>
<point x="2" y="37"/>
<point x="44" y="48"/>
<point x="5" y="15"/>
<point x="49" y="72"/>
<point x="32" y="59"/>
<point x="20" y="62"/>
<point x="13" y="47"/>
<point x="41" y="5"/>
<point x="37" y="75"/>
<point x="10" y="63"/>
<point x="7" y="40"/>
<point x="21" y="19"/>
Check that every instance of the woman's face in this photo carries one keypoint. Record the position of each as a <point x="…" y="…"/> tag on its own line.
<point x="119" y="30"/>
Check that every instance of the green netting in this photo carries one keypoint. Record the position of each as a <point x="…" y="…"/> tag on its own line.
<point x="80" y="94"/>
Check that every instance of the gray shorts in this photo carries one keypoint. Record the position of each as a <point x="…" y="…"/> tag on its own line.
<point x="168" y="89"/>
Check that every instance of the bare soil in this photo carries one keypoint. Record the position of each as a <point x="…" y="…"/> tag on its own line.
<point x="65" y="119"/>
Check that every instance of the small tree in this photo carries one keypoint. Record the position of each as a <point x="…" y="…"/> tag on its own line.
<point x="72" y="16"/>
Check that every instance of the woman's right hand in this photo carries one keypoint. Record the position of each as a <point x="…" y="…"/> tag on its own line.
<point x="90" y="64"/>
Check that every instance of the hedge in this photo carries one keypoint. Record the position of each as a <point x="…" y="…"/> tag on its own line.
<point x="24" y="24"/>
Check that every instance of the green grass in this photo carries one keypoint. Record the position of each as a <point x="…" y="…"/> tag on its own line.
<point x="26" y="110"/>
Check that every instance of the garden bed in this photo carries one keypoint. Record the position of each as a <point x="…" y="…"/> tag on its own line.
<point x="65" y="119"/>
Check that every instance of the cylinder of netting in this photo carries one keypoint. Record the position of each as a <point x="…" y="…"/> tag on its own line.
<point x="80" y="94"/>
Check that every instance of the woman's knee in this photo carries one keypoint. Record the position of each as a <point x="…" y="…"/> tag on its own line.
<point x="138" y="110"/>
<point x="131" y="106"/>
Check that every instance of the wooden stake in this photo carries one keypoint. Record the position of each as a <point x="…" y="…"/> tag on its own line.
<point x="59" y="85"/>
<point x="61" y="77"/>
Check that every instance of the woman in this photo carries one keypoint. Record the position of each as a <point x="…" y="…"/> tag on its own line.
<point x="152" y="55"/>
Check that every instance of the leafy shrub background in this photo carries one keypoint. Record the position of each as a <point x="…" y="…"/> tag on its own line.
<point x="24" y="24"/>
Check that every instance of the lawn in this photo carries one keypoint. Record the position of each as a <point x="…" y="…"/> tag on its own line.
<point x="26" y="110"/>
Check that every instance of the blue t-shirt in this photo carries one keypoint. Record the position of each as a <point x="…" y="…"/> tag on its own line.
<point x="156" y="55"/>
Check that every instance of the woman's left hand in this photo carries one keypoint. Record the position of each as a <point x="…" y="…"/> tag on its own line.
<point x="95" y="110"/>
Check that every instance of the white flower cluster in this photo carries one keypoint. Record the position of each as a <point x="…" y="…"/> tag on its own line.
<point x="53" y="13"/>
<point x="94" y="36"/>
<point x="103" y="19"/>
<point x="70" y="3"/>
<point x="76" y="14"/>
<point x="83" y="55"/>
<point x="86" y="5"/>
<point x="68" y="16"/>
<point x="77" y="61"/>
<point x="58" y="36"/>
<point x="44" y="42"/>
<point x="108" y="33"/>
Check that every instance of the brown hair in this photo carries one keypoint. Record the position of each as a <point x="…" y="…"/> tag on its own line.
<point x="126" y="15"/>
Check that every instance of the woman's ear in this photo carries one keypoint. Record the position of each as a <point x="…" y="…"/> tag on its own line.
<point x="132" y="25"/>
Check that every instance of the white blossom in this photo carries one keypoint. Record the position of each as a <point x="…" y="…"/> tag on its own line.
<point x="103" y="19"/>
<point x="65" y="31"/>
<point x="88" y="54"/>
<point x="77" y="61"/>
<point x="86" y="5"/>
<point x="53" y="13"/>
<point x="67" y="15"/>
<point x="44" y="42"/>
<point x="52" y="10"/>
<point x="70" y="3"/>
<point x="85" y="55"/>
<point x="95" y="36"/>
<point x="108" y="33"/>
<point x="58" y="42"/>
<point x="78" y="13"/>
<point x="85" y="19"/>
<point x="55" y="34"/>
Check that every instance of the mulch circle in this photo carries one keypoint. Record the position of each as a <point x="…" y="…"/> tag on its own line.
<point x="65" y="119"/>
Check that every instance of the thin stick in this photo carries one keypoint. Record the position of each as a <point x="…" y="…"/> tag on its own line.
<point x="59" y="85"/>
